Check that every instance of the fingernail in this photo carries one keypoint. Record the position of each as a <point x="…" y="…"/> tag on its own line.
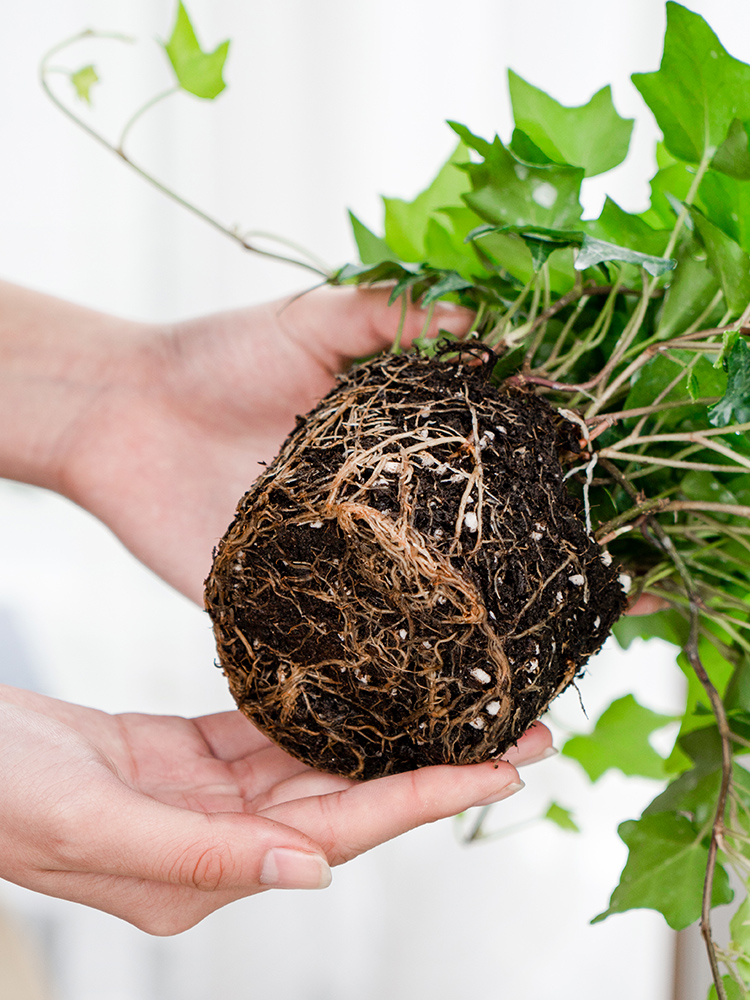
<point x="547" y="752"/>
<point x="284" y="868"/>
<point x="504" y="793"/>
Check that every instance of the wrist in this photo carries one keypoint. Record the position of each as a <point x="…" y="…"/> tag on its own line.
<point x="56" y="361"/>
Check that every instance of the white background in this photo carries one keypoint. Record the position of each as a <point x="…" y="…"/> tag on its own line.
<point x="329" y="104"/>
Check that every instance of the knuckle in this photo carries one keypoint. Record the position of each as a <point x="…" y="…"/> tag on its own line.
<point x="206" y="867"/>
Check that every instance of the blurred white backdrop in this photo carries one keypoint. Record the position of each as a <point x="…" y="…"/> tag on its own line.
<point x="328" y="105"/>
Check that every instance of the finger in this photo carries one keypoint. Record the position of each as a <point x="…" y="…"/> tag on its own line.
<point x="145" y="839"/>
<point x="352" y="821"/>
<point x="341" y="324"/>
<point x="534" y="745"/>
<point x="647" y="604"/>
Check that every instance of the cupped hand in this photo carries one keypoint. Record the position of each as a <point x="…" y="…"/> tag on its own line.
<point x="166" y="452"/>
<point x="162" y="820"/>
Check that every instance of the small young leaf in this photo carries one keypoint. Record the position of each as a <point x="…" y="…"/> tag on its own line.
<point x="83" y="80"/>
<point x="594" y="251"/>
<point x="562" y="817"/>
<point x="592" y="136"/>
<point x="734" y="406"/>
<point x="699" y="89"/>
<point x="620" y="740"/>
<point x="197" y="72"/>
<point x="665" y="870"/>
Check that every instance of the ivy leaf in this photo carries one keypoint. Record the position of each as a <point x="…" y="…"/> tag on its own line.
<point x="446" y="283"/>
<point x="83" y="80"/>
<point x="197" y="72"/>
<point x="726" y="202"/>
<point x="617" y="226"/>
<point x="734" y="406"/>
<point x="665" y="870"/>
<point x="562" y="817"/>
<point x="698" y="90"/>
<point x="592" y="136"/>
<point x="733" y="156"/>
<point x="406" y="222"/>
<point x="508" y="191"/>
<point x="727" y="260"/>
<point x="372" y="249"/>
<point x="694" y="284"/>
<point x="739" y="928"/>
<point x="527" y="150"/>
<point x="540" y="241"/>
<point x="620" y="740"/>
<point x="594" y="251"/>
<point x="732" y="988"/>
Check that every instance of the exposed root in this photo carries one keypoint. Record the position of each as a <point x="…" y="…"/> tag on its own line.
<point x="410" y="582"/>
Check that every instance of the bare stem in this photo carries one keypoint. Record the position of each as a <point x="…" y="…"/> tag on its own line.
<point x="44" y="72"/>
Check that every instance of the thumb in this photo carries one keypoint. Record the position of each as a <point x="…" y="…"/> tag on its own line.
<point x="146" y="839"/>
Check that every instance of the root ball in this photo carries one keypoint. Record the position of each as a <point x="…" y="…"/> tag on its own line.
<point x="410" y="582"/>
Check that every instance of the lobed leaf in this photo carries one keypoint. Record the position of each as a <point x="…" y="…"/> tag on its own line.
<point x="734" y="406"/>
<point x="562" y="817"/>
<point x="620" y="741"/>
<point x="197" y="72"/>
<point x="592" y="136"/>
<point x="665" y="870"/>
<point x="699" y="89"/>
<point x="83" y="80"/>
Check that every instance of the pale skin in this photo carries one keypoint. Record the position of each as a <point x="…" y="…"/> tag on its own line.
<point x="158" y="430"/>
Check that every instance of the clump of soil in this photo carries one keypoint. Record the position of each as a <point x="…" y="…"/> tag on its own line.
<point x="410" y="582"/>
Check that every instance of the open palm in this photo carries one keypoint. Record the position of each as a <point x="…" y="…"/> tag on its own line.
<point x="162" y="820"/>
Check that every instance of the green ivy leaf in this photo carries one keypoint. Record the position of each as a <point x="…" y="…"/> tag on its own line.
<point x="592" y="136"/>
<point x="406" y="222"/>
<point x="732" y="989"/>
<point x="562" y="817"/>
<point x="739" y="928"/>
<point x="727" y="260"/>
<point x="733" y="156"/>
<point x="668" y="625"/>
<point x="508" y="191"/>
<point x="620" y="740"/>
<point x="197" y="72"/>
<point x="445" y="285"/>
<point x="694" y="284"/>
<point x="83" y="80"/>
<point x="734" y="406"/>
<point x="594" y="251"/>
<point x="665" y="870"/>
<point x="617" y="226"/>
<point x="372" y="249"/>
<point x="726" y="202"/>
<point x="698" y="90"/>
<point x="541" y="241"/>
<point x="527" y="150"/>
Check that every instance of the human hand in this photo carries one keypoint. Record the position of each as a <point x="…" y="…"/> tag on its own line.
<point x="161" y="820"/>
<point x="164" y="455"/>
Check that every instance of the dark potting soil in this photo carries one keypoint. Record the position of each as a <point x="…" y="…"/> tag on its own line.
<point x="410" y="582"/>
